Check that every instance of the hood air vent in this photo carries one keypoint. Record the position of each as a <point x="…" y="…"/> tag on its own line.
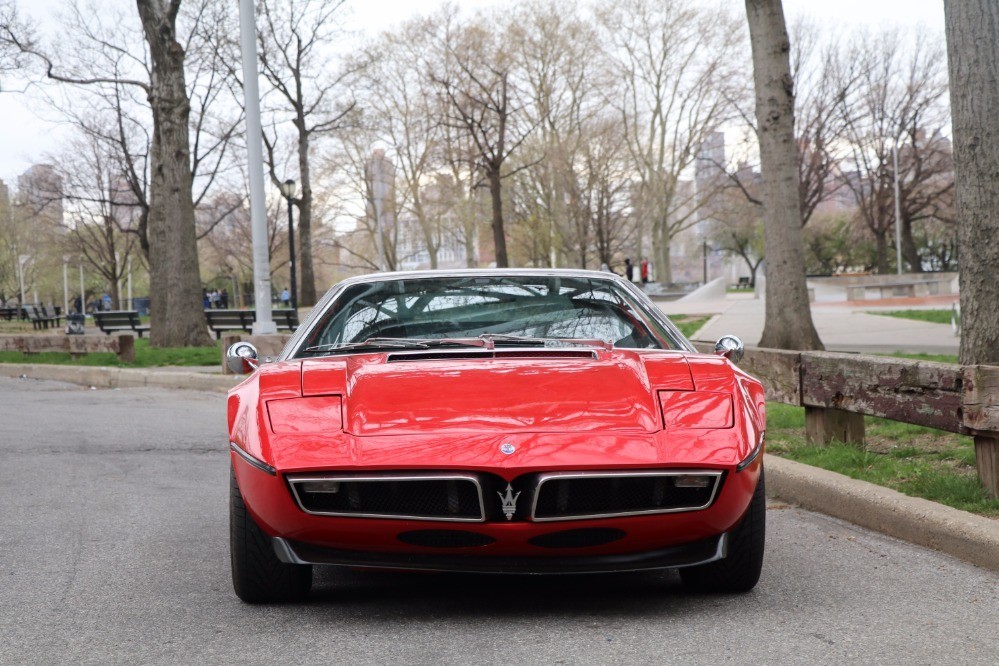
<point x="461" y="354"/>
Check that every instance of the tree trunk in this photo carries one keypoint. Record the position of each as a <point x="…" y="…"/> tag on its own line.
<point x="788" y="322"/>
<point x="660" y="250"/>
<point x="972" y="28"/>
<point x="306" y="273"/>
<point x="177" y="319"/>
<point x="499" y="235"/>
<point x="909" y="250"/>
<point x="881" y="256"/>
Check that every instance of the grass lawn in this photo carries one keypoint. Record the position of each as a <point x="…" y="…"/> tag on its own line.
<point x="922" y="462"/>
<point x="932" y="316"/>
<point x="145" y="357"/>
<point x="940" y="358"/>
<point x="688" y="324"/>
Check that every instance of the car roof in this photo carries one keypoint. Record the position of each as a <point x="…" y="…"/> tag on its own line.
<point x="480" y="272"/>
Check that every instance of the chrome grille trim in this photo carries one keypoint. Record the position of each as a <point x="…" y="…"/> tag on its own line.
<point x="294" y="479"/>
<point x="556" y="476"/>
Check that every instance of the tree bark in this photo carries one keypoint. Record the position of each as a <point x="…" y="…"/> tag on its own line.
<point x="788" y="322"/>
<point x="499" y="235"/>
<point x="910" y="253"/>
<point x="306" y="273"/>
<point x="177" y="318"/>
<point x="972" y="28"/>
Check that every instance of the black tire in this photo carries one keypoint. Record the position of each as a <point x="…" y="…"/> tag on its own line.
<point x="740" y="571"/>
<point x="258" y="576"/>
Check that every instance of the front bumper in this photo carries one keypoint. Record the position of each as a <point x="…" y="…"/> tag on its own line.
<point x="643" y="541"/>
<point x="691" y="554"/>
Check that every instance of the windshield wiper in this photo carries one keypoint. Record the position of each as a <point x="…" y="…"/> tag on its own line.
<point x="493" y="338"/>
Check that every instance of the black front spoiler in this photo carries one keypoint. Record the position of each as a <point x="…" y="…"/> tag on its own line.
<point x="686" y="555"/>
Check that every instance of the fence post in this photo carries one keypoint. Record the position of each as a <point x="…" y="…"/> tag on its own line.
<point x="987" y="461"/>
<point x="825" y="424"/>
<point x="126" y="348"/>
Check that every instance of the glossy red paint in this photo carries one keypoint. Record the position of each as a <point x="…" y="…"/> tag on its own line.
<point x="696" y="409"/>
<point x="298" y="416"/>
<point x="569" y="414"/>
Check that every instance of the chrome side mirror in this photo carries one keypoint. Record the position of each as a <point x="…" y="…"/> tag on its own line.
<point x="730" y="347"/>
<point x="241" y="358"/>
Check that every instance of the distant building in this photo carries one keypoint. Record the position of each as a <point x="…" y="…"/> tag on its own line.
<point x="40" y="194"/>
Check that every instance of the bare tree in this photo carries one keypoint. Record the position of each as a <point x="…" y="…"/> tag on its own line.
<point x="896" y="104"/>
<point x="678" y="67"/>
<point x="973" y="51"/>
<point x="554" y="46"/>
<point x="403" y="112"/>
<point x="478" y="81"/>
<point x="96" y="227"/>
<point x="157" y="72"/>
<point x="295" y="38"/>
<point x="788" y="323"/>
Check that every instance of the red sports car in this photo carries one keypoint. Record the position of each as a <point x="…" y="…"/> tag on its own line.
<point x="496" y="421"/>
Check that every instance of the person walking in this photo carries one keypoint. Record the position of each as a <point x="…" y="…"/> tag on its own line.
<point x="644" y="271"/>
<point x="285" y="298"/>
<point x="224" y="298"/>
<point x="629" y="270"/>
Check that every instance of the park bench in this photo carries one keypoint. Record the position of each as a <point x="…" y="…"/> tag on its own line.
<point x="286" y="319"/>
<point x="53" y="314"/>
<point x="8" y="313"/>
<point x="220" y="321"/>
<point x="39" y="318"/>
<point x="120" y="320"/>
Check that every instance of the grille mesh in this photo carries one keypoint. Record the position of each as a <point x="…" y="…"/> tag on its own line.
<point x="418" y="498"/>
<point x="598" y="495"/>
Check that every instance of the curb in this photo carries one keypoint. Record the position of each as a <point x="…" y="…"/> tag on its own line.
<point x="103" y="377"/>
<point x="963" y="535"/>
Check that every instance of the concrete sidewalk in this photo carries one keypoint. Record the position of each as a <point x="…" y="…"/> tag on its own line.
<point x="845" y="327"/>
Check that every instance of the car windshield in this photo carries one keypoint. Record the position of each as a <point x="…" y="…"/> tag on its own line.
<point x="507" y="310"/>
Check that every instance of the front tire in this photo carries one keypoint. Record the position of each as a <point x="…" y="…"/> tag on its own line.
<point x="740" y="570"/>
<point x="258" y="576"/>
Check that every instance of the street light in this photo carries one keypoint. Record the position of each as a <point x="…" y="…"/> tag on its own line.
<point x="21" y="261"/>
<point x="288" y="190"/>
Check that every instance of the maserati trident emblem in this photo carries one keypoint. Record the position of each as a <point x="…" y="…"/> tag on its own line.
<point x="509" y="501"/>
<point x="508" y="448"/>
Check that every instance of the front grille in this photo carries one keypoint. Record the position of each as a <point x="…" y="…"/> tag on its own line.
<point x="453" y="497"/>
<point x="574" y="496"/>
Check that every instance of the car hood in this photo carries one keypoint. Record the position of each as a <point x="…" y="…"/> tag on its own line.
<point x="400" y="394"/>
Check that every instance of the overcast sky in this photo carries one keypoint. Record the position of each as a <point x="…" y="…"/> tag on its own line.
<point x="25" y="135"/>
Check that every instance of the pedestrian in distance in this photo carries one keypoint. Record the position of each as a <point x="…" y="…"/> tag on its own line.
<point x="224" y="299"/>
<point x="644" y="271"/>
<point x="629" y="270"/>
<point x="285" y="297"/>
<point x="206" y="301"/>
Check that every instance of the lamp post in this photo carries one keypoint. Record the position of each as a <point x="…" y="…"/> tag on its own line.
<point x="288" y="190"/>
<point x="21" y="261"/>
<point x="898" y="212"/>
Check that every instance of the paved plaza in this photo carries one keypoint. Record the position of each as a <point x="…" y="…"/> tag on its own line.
<point x="842" y="326"/>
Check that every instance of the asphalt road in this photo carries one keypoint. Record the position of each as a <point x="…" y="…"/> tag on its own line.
<point x="113" y="549"/>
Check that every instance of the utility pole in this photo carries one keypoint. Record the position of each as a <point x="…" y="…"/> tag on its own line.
<point x="898" y="212"/>
<point x="264" y="321"/>
<point x="379" y="188"/>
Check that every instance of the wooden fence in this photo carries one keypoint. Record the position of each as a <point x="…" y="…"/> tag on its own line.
<point x="122" y="344"/>
<point x="837" y="390"/>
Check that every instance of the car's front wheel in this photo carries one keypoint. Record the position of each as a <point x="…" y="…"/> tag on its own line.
<point x="258" y="576"/>
<point x="740" y="571"/>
